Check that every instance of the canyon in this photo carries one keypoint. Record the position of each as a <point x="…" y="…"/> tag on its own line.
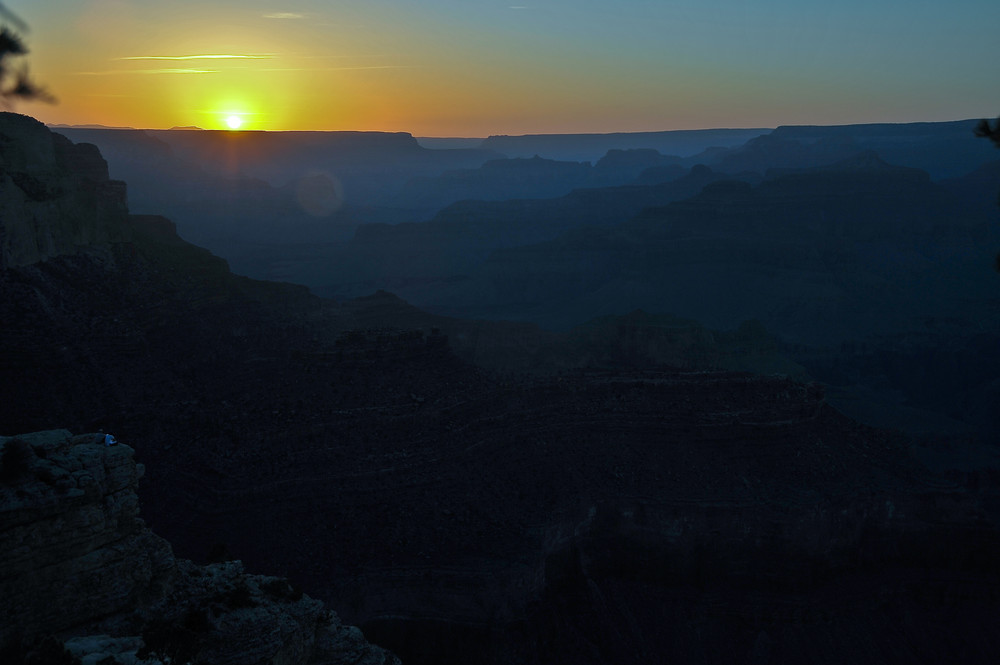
<point x="479" y="491"/>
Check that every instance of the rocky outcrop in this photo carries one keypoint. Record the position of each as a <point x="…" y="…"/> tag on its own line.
<point x="76" y="561"/>
<point x="55" y="196"/>
<point x="72" y="547"/>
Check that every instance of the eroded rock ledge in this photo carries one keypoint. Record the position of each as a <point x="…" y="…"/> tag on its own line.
<point x="77" y="564"/>
<point x="56" y="197"/>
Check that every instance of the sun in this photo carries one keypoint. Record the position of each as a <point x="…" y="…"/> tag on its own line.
<point x="234" y="122"/>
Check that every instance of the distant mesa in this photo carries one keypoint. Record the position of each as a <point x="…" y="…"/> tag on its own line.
<point x="942" y="149"/>
<point x="99" y="126"/>
<point x="449" y="142"/>
<point x="58" y="126"/>
<point x="591" y="147"/>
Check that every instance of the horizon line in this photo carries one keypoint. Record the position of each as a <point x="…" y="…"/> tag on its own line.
<point x="505" y="135"/>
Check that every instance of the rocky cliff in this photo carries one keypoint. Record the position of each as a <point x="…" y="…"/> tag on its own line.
<point x="55" y="196"/>
<point x="77" y="562"/>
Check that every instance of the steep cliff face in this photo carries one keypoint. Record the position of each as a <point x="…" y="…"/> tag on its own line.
<point x="55" y="196"/>
<point x="72" y="547"/>
<point x="76" y="561"/>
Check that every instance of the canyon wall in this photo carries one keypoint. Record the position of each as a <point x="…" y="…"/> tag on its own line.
<point x="55" y="196"/>
<point x="77" y="563"/>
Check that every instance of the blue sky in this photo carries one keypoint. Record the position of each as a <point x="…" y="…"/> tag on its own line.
<point x="445" y="67"/>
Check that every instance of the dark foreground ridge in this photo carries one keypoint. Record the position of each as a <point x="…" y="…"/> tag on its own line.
<point x="81" y="572"/>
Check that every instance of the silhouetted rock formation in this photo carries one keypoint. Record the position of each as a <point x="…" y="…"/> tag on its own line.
<point x="620" y="167"/>
<point x="942" y="149"/>
<point x="497" y="179"/>
<point x="590" y="147"/>
<point x="77" y="562"/>
<point x="55" y="197"/>
<point x="430" y="263"/>
<point x="869" y="272"/>
<point x="72" y="545"/>
<point x="253" y="197"/>
<point x="368" y="163"/>
<point x="819" y="255"/>
<point x="979" y="188"/>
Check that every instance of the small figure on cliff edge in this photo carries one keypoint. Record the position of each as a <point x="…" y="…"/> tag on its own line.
<point x="110" y="440"/>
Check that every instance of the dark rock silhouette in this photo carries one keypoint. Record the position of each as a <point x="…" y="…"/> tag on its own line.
<point x="430" y="263"/>
<point x="247" y="195"/>
<point x="866" y="285"/>
<point x="978" y="187"/>
<point x="621" y="167"/>
<point x="76" y="560"/>
<point x="850" y="226"/>
<point x="942" y="149"/>
<point x="238" y="194"/>
<point x="55" y="197"/>
<point x="898" y="263"/>
<point x="498" y="179"/>
<point x="590" y="147"/>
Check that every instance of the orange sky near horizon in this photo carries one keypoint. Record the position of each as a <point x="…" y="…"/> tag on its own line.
<point x="449" y="68"/>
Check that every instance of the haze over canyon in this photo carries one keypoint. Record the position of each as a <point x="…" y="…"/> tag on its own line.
<point x="691" y="396"/>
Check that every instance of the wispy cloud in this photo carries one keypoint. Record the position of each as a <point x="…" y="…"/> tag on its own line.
<point x="284" y="15"/>
<point x="177" y="71"/>
<point x="111" y="72"/>
<point x="336" y="69"/>
<point x="336" y="56"/>
<point x="211" y="56"/>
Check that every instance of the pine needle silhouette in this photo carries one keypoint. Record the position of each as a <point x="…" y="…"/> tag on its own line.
<point x="985" y="130"/>
<point x="15" y="83"/>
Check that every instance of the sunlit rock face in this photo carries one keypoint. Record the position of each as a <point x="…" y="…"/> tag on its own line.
<point x="55" y="197"/>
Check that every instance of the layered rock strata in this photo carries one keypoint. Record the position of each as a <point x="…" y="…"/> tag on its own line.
<point x="77" y="562"/>
<point x="601" y="517"/>
<point x="55" y="196"/>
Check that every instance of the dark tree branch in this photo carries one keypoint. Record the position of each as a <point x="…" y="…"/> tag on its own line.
<point x="11" y="17"/>
<point x="984" y="130"/>
<point x="16" y="84"/>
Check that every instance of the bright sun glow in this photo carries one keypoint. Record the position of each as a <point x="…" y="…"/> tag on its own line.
<point x="234" y="121"/>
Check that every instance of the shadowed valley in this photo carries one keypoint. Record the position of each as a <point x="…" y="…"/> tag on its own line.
<point x="592" y="420"/>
